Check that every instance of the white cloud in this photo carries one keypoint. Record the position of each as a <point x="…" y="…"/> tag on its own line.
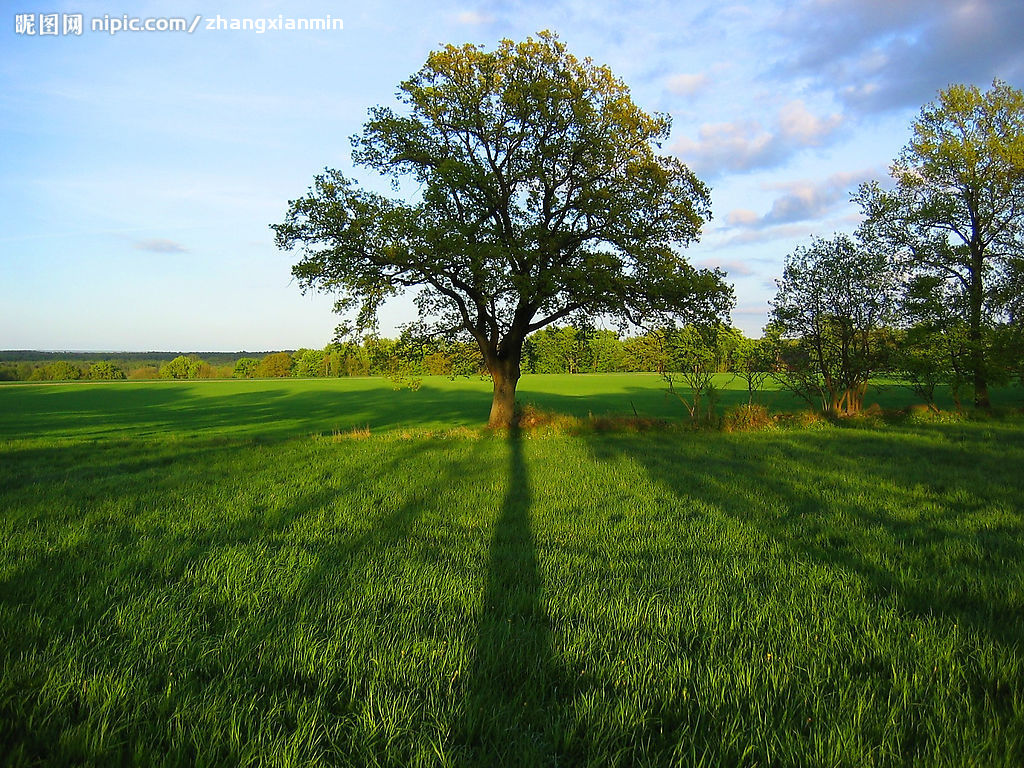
<point x="736" y="146"/>
<point x="804" y="128"/>
<point x="731" y="266"/>
<point x="687" y="84"/>
<point x="741" y="217"/>
<point x="746" y="145"/>
<point x="473" y="18"/>
<point x="159" y="245"/>
<point x="803" y="200"/>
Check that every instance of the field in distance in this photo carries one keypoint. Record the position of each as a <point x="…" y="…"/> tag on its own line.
<point x="274" y="408"/>
<point x="201" y="573"/>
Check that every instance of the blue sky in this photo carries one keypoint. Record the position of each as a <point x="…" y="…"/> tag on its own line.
<point x="139" y="172"/>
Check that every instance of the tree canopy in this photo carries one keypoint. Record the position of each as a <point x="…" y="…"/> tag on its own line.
<point x="541" y="197"/>
<point x="834" y="298"/>
<point x="957" y="214"/>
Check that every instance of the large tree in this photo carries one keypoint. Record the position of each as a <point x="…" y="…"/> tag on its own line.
<point x="540" y="197"/>
<point x="957" y="211"/>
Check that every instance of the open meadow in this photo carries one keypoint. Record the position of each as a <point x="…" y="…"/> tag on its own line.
<point x="330" y="572"/>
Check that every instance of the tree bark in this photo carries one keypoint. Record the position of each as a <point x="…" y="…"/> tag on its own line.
<point x="505" y="375"/>
<point x="503" y="362"/>
<point x="981" y="399"/>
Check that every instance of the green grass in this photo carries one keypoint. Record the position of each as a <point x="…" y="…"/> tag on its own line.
<point x="281" y="408"/>
<point x="200" y="574"/>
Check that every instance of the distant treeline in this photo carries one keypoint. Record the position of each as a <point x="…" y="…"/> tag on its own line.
<point x="831" y="368"/>
<point x="551" y="350"/>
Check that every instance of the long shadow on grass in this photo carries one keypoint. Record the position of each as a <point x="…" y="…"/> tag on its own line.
<point x="271" y="411"/>
<point x="907" y="514"/>
<point x="170" y="584"/>
<point x="514" y="680"/>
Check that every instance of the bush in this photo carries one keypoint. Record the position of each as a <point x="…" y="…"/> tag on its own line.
<point x="144" y="372"/>
<point x="805" y="419"/>
<point x="245" y="368"/>
<point x="747" y="417"/>
<point x="181" y="367"/>
<point x="61" y="370"/>
<point x="105" y="370"/>
<point x="276" y="365"/>
<point x="924" y="414"/>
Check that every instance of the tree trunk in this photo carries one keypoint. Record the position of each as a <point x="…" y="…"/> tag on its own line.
<point x="981" y="399"/>
<point x="505" y="375"/>
<point x="503" y="364"/>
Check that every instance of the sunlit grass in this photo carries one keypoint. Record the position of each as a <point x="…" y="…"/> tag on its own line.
<point x="274" y="408"/>
<point x="175" y="593"/>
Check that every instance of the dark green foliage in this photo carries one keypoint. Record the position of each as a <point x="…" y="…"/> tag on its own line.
<point x="560" y="349"/>
<point x="835" y="301"/>
<point x="245" y="368"/>
<point x="928" y="355"/>
<point x="542" y="197"/>
<point x="105" y="370"/>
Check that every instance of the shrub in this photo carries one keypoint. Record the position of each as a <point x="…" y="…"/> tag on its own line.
<point x="105" y="370"/>
<point x="747" y="417"/>
<point x="924" y="414"/>
<point x="181" y="367"/>
<point x="276" y="365"/>
<point x="144" y="372"/>
<point x="61" y="370"/>
<point x="245" y="367"/>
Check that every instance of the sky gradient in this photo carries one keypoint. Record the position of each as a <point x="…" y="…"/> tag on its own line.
<point x="139" y="172"/>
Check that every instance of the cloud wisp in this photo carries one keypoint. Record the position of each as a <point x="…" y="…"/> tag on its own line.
<point x="473" y="18"/>
<point x="685" y="84"/>
<point x="746" y="145"/>
<point x="803" y="200"/>
<point x="733" y="267"/>
<point x="159" y="245"/>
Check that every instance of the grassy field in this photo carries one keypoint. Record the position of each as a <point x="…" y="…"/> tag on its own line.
<point x="282" y="408"/>
<point x="204" y="574"/>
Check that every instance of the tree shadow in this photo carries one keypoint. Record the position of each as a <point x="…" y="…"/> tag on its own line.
<point x="910" y="516"/>
<point x="240" y="409"/>
<point x="74" y="592"/>
<point x="510" y="699"/>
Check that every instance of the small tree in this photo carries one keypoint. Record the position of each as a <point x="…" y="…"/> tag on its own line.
<point x="181" y="367"/>
<point x="542" y="198"/>
<point x="753" y="362"/>
<point x="691" y="359"/>
<point x="833" y="301"/>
